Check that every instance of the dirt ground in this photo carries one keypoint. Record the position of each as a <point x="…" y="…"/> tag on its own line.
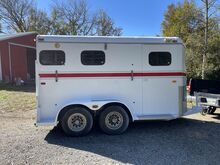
<point x="193" y="140"/>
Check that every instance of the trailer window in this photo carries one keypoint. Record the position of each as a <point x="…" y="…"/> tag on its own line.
<point x="52" y="57"/>
<point x="92" y="57"/>
<point x="160" y="58"/>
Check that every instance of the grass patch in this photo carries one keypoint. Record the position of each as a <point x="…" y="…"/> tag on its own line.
<point x="24" y="88"/>
<point x="18" y="101"/>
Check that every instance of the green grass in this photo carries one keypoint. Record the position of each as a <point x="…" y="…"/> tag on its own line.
<point x="17" y="101"/>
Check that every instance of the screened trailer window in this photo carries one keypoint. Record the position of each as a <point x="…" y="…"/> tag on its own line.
<point x="92" y="57"/>
<point x="160" y="58"/>
<point x="52" y="57"/>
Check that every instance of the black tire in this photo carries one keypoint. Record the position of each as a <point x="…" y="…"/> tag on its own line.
<point x="77" y="121"/>
<point x="204" y="111"/>
<point x="116" y="113"/>
<point x="211" y="110"/>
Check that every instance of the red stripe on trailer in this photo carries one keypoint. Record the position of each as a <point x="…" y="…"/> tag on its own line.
<point x="53" y="75"/>
<point x="165" y="74"/>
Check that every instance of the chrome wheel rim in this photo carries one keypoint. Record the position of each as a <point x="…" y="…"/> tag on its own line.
<point x="114" y="120"/>
<point x="77" y="122"/>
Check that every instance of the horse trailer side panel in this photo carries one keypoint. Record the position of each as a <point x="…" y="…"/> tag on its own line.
<point x="126" y="75"/>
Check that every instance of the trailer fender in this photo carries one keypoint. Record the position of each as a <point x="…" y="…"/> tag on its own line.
<point x="93" y="105"/>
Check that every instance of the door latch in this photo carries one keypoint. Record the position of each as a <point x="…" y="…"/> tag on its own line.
<point x="56" y="75"/>
<point x="132" y="75"/>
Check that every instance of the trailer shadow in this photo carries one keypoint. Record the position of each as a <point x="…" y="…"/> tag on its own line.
<point x="216" y="116"/>
<point x="154" y="142"/>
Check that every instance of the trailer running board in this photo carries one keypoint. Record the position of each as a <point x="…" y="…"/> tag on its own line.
<point x="45" y="124"/>
<point x="157" y="117"/>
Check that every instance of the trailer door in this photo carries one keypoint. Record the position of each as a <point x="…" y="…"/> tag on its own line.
<point x="125" y="61"/>
<point x="160" y="90"/>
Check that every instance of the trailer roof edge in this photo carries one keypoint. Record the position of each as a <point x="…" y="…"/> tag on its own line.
<point x="109" y="39"/>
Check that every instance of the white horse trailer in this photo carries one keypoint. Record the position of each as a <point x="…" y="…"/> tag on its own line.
<point x="116" y="80"/>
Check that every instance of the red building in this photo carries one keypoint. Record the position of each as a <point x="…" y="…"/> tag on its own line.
<point x="17" y="56"/>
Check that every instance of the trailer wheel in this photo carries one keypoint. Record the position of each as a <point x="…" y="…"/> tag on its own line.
<point x="114" y="120"/>
<point x="211" y="110"/>
<point x="77" y="121"/>
<point x="204" y="111"/>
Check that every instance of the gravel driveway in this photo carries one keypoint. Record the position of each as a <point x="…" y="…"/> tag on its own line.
<point x="191" y="140"/>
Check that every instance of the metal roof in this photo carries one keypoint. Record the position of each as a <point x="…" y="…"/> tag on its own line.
<point x="10" y="36"/>
<point x="108" y="39"/>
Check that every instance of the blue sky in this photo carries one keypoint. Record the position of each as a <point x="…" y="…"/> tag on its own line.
<point x="136" y="17"/>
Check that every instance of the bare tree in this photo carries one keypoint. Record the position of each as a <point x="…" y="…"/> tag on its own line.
<point x="67" y="17"/>
<point x="105" y="25"/>
<point x="14" y="13"/>
<point x="208" y="4"/>
<point x="58" y="25"/>
<point x="39" y="21"/>
<point x="75" y="15"/>
<point x="23" y="16"/>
